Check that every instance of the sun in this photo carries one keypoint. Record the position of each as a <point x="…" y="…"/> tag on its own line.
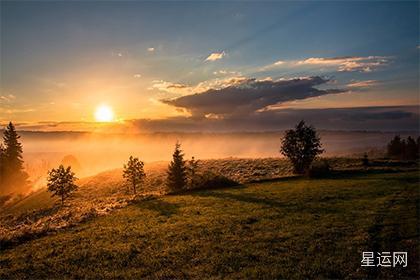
<point x="104" y="113"/>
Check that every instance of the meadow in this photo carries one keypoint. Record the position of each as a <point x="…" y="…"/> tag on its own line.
<point x="290" y="227"/>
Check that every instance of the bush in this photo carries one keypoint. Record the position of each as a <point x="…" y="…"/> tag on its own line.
<point x="210" y="180"/>
<point x="319" y="169"/>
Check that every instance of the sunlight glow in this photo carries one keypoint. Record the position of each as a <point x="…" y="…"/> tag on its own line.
<point x="104" y="113"/>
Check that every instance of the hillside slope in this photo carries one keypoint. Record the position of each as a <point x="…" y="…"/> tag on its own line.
<point x="291" y="228"/>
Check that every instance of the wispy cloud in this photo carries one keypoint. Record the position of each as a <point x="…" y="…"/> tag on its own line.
<point x="341" y="64"/>
<point x="226" y="72"/>
<point x="215" y="56"/>
<point x="7" y="98"/>
<point x="363" y="84"/>
<point x="348" y="63"/>
<point x="151" y="49"/>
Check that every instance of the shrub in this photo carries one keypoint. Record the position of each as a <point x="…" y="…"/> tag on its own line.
<point x="319" y="169"/>
<point x="210" y="180"/>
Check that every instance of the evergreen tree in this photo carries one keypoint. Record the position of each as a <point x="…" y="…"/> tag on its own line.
<point x="192" y="172"/>
<point x="395" y="148"/>
<point x="134" y="173"/>
<point x="2" y="168"/>
<point x="301" y="146"/>
<point x="14" y="176"/>
<point x="176" y="174"/>
<point x="61" y="182"/>
<point x="410" y="149"/>
<point x="418" y="147"/>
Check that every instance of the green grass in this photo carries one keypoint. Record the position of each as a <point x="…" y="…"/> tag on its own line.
<point x="291" y="228"/>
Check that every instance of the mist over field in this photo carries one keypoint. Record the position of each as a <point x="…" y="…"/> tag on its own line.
<point x="96" y="152"/>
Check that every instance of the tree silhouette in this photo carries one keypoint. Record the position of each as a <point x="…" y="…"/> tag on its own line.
<point x="192" y="169"/>
<point x="403" y="149"/>
<point x="395" y="148"/>
<point x="61" y="182"/>
<point x="301" y="146"/>
<point x="410" y="152"/>
<point x="14" y="175"/>
<point x="134" y="173"/>
<point x="2" y="167"/>
<point x="176" y="175"/>
<point x="418" y="147"/>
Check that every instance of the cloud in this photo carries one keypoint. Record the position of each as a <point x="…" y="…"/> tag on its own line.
<point x="183" y="89"/>
<point x="215" y="56"/>
<point x="385" y="118"/>
<point x="348" y="63"/>
<point x="226" y="72"/>
<point x="274" y="65"/>
<point x="248" y="95"/>
<point x="151" y="49"/>
<point x="137" y="75"/>
<point x="363" y="84"/>
<point x="7" y="98"/>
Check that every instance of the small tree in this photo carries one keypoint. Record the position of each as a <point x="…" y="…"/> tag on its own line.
<point x="301" y="146"/>
<point x="134" y="173"/>
<point x="177" y="177"/>
<point x="192" y="172"/>
<point x="61" y="182"/>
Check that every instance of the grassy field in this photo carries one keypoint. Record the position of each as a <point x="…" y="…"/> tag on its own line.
<point x="289" y="228"/>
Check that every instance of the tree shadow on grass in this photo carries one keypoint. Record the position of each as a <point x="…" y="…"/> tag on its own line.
<point x="360" y="174"/>
<point x="249" y="198"/>
<point x="158" y="205"/>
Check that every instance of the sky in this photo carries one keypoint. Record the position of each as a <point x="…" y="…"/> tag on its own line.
<point x="215" y="66"/>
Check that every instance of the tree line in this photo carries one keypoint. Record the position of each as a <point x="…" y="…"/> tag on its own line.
<point x="404" y="149"/>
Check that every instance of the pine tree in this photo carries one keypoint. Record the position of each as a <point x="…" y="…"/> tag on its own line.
<point x="134" y="173"/>
<point x="418" y="147"/>
<point x="410" y="149"/>
<point x="176" y="175"/>
<point x="14" y="175"/>
<point x="2" y="168"/>
<point x="395" y="148"/>
<point x="61" y="182"/>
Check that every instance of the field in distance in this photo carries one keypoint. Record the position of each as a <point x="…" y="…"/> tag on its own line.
<point x="289" y="228"/>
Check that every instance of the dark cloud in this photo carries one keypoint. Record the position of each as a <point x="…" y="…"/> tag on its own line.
<point x="392" y="118"/>
<point x="251" y="95"/>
